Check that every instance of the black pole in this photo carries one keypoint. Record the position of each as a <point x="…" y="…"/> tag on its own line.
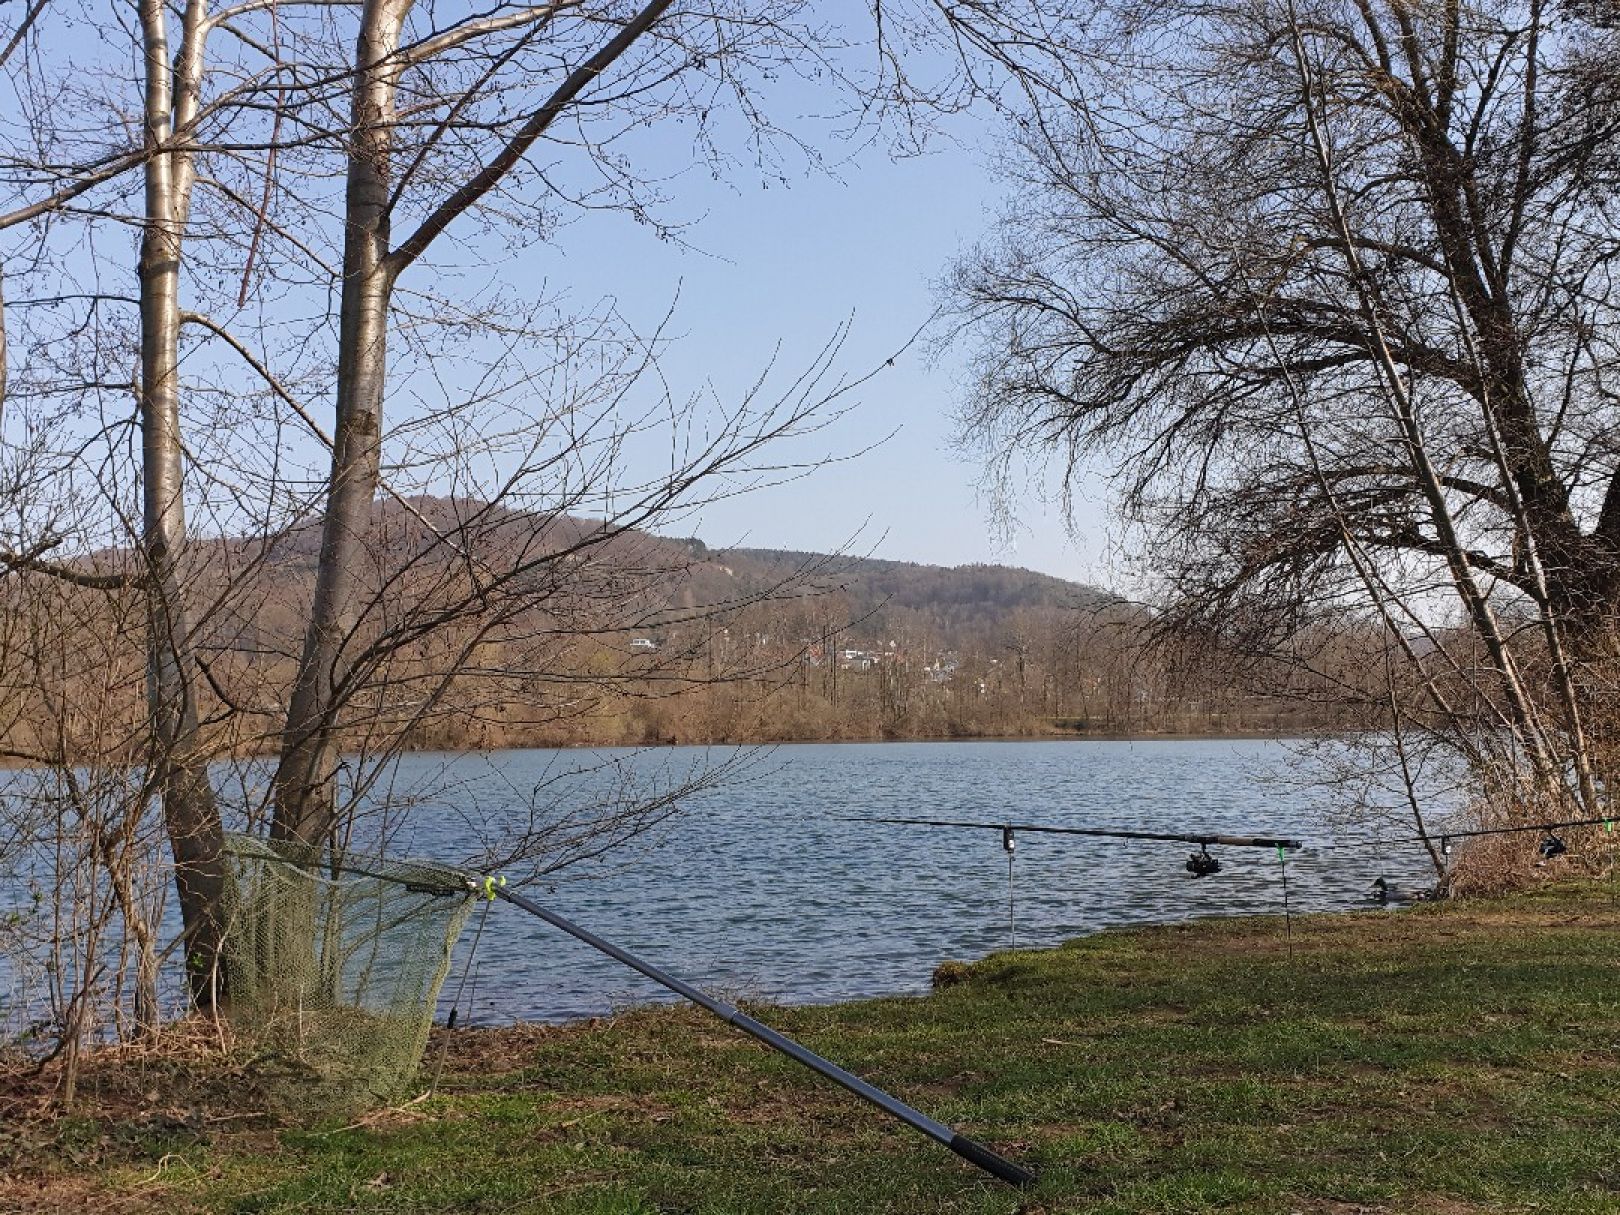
<point x="1008" y="843"/>
<point x="1288" y="913"/>
<point x="1361" y="845"/>
<point x="967" y="1149"/>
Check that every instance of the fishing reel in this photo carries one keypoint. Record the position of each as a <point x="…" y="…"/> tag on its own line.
<point x="1202" y="864"/>
<point x="1009" y="842"/>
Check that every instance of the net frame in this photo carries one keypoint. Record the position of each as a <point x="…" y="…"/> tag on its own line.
<point x="333" y="968"/>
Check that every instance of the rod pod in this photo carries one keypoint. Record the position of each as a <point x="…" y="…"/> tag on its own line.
<point x="974" y="1153"/>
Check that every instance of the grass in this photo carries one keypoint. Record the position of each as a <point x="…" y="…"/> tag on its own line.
<point x="1448" y="1059"/>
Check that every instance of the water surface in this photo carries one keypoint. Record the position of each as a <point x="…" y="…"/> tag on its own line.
<point x="763" y="889"/>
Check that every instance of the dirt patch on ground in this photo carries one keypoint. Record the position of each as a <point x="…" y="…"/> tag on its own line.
<point x="188" y="1075"/>
<point x="140" y="1104"/>
<point x="55" y="1194"/>
<point x="492" y="1052"/>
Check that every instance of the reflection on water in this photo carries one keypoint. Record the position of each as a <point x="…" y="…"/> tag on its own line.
<point x="763" y="889"/>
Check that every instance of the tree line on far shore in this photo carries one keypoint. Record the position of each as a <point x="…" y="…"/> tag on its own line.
<point x="744" y="646"/>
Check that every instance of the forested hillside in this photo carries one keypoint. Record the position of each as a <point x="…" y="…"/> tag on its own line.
<point x="890" y="649"/>
<point x="636" y="639"/>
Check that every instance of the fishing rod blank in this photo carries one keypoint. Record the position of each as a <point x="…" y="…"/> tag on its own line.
<point x="1230" y="841"/>
<point x="975" y="1153"/>
<point x="1445" y="838"/>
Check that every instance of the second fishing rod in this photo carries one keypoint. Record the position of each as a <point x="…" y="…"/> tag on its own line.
<point x="1203" y="839"/>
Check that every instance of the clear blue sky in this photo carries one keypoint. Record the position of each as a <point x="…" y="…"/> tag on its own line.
<point x="789" y="265"/>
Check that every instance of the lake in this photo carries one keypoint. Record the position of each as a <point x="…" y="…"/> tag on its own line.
<point x="762" y="889"/>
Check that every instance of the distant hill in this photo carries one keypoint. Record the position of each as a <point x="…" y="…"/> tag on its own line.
<point x="481" y="626"/>
<point x="961" y="605"/>
<point x="913" y="585"/>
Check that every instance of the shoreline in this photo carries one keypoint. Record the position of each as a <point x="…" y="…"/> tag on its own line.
<point x="1220" y="736"/>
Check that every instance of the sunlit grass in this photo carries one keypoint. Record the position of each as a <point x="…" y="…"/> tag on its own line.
<point x="1446" y="1059"/>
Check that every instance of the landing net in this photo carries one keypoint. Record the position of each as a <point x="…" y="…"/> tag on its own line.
<point x="333" y="970"/>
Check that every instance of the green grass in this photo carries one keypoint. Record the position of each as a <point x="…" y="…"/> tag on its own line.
<point x="1449" y="1059"/>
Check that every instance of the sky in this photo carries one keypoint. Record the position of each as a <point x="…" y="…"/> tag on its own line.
<point x="770" y="275"/>
<point x="789" y="265"/>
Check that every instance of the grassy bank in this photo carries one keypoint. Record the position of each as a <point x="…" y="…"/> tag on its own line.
<point x="1444" y="1060"/>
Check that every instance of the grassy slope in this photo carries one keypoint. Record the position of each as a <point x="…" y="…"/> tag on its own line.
<point x="1444" y="1060"/>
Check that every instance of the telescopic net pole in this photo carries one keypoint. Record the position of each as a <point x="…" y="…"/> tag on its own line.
<point x="975" y="1153"/>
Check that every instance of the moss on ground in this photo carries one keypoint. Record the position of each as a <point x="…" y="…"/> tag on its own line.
<point x="1449" y="1059"/>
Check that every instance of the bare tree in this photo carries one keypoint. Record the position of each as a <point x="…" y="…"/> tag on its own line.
<point x="173" y="80"/>
<point x="1330" y="284"/>
<point x="372" y="265"/>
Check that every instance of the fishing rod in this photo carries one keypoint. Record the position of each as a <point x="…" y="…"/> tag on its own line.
<point x="1229" y="841"/>
<point x="969" y="1150"/>
<point x="1444" y="838"/>
<point x="1244" y="841"/>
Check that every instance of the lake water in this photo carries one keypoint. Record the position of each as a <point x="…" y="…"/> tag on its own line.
<point x="762" y="889"/>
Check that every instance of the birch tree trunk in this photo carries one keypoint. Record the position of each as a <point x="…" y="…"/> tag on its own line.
<point x="179" y="762"/>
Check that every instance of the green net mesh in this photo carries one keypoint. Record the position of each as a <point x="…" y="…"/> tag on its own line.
<point x="333" y="972"/>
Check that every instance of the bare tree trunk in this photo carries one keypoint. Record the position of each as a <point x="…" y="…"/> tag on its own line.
<point x="304" y="791"/>
<point x="1474" y="601"/>
<point x="3" y="345"/>
<point x="1577" y="747"/>
<point x="190" y="810"/>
